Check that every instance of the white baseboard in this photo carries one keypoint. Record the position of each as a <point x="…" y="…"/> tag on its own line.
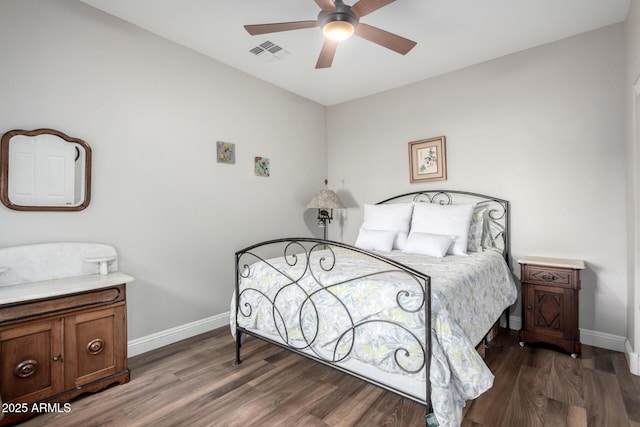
<point x="587" y="337"/>
<point x="602" y="340"/>
<point x="632" y="358"/>
<point x="179" y="333"/>
<point x="515" y="323"/>
<point x="170" y="336"/>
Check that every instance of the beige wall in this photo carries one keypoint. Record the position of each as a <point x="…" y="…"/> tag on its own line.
<point x="542" y="128"/>
<point x="152" y="112"/>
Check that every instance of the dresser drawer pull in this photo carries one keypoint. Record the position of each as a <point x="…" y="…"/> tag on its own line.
<point x="26" y="368"/>
<point x="96" y="346"/>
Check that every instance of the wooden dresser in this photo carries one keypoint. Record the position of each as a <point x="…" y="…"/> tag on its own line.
<point x="59" y="339"/>
<point x="550" y="302"/>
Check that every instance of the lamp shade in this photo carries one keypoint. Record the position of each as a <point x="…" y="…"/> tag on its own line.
<point x="325" y="199"/>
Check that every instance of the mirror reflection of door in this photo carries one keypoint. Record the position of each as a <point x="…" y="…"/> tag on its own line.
<point x="43" y="171"/>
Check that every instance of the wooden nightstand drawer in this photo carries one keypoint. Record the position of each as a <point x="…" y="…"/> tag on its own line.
<point x="551" y="276"/>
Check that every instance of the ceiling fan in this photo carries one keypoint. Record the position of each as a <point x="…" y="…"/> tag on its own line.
<point x="338" y="22"/>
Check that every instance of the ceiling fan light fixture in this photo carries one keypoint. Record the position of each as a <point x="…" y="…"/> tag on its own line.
<point x="338" y="22"/>
<point x="338" y="30"/>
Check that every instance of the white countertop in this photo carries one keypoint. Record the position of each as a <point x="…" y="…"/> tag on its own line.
<point x="576" y="264"/>
<point x="56" y="287"/>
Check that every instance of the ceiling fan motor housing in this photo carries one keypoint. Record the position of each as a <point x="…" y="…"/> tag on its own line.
<point x="342" y="13"/>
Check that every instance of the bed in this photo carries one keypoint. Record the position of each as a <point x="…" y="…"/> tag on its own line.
<point x="433" y="261"/>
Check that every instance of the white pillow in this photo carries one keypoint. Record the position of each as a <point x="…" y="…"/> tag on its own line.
<point x="450" y="220"/>
<point x="428" y="244"/>
<point x="392" y="216"/>
<point x="375" y="240"/>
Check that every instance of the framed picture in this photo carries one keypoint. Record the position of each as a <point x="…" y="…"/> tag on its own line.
<point x="226" y="152"/>
<point x="262" y="167"/>
<point x="427" y="160"/>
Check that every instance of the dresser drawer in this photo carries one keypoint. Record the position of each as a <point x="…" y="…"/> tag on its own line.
<point x="562" y="277"/>
<point x="30" y="309"/>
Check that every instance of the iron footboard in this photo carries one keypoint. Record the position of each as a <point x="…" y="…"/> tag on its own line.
<point x="310" y="308"/>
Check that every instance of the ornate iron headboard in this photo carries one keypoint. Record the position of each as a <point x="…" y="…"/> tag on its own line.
<point x="496" y="213"/>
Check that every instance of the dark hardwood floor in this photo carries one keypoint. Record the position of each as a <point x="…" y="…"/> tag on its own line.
<point x="195" y="383"/>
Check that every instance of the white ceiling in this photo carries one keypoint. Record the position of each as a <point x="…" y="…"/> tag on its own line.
<point x="451" y="34"/>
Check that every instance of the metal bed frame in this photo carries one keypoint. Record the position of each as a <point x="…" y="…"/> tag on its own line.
<point x="312" y="258"/>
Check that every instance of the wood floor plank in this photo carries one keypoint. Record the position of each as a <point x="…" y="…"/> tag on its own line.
<point x="604" y="404"/>
<point x="241" y="404"/>
<point x="629" y="387"/>
<point x="384" y="412"/>
<point x="576" y="417"/>
<point x="196" y="383"/>
<point x="528" y="402"/>
<point x="323" y="408"/>
<point x="560" y="414"/>
<point x="602" y="362"/>
<point x="283" y="375"/>
<point x="225" y="411"/>
<point x="297" y="405"/>
<point x="506" y="363"/>
<point x="349" y="412"/>
<point x="564" y="382"/>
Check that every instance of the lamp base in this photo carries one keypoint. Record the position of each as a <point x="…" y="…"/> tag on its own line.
<point x="324" y="218"/>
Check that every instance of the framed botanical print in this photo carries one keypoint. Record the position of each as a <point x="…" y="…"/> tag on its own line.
<point x="427" y="160"/>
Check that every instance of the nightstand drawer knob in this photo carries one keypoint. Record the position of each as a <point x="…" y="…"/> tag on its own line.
<point x="548" y="277"/>
<point x="529" y="306"/>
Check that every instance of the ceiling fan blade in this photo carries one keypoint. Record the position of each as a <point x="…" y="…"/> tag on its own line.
<point x="279" y="26"/>
<point x="327" y="53"/>
<point x="326" y="4"/>
<point x="365" y="7"/>
<point x="385" y="38"/>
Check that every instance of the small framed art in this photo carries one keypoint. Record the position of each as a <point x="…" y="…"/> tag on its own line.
<point x="428" y="160"/>
<point x="262" y="167"/>
<point x="226" y="152"/>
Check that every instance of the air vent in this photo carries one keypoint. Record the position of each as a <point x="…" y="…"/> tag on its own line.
<point x="269" y="51"/>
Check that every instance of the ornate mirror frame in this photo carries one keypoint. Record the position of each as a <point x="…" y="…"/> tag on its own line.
<point x="4" y="170"/>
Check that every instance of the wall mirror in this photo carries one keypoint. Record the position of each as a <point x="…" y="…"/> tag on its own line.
<point x="44" y="170"/>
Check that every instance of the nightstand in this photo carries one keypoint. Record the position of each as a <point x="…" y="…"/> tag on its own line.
<point x="550" y="302"/>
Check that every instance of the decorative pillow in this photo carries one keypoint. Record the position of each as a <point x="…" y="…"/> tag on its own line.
<point x="393" y="216"/>
<point x="450" y="220"/>
<point x="375" y="240"/>
<point x="492" y="236"/>
<point x="474" y="242"/>
<point x="428" y="244"/>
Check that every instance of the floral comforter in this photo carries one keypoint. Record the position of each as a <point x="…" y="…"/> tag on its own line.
<point x="340" y="305"/>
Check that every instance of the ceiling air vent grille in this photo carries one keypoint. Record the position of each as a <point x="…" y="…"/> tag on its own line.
<point x="269" y="51"/>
